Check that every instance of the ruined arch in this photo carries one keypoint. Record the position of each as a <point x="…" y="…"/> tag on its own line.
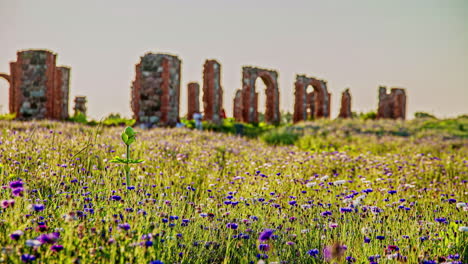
<point x="250" y="95"/>
<point x="318" y="101"/>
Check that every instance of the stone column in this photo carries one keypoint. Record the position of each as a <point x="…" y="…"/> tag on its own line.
<point x="212" y="91"/>
<point x="345" y="109"/>
<point x="193" y="99"/>
<point x="80" y="105"/>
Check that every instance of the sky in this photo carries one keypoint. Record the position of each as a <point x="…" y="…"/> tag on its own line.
<point x="419" y="45"/>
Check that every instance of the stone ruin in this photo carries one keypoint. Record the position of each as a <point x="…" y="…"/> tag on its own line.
<point x="391" y="105"/>
<point x="38" y="88"/>
<point x="246" y="99"/>
<point x="315" y="104"/>
<point x="212" y="92"/>
<point x="193" y="99"/>
<point x="345" y="109"/>
<point x="80" y="105"/>
<point x="156" y="90"/>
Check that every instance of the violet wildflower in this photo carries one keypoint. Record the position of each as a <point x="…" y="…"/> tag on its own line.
<point x="16" y="235"/>
<point x="124" y="226"/>
<point x="264" y="247"/>
<point x="26" y="258"/>
<point x="265" y="235"/>
<point x="313" y="252"/>
<point x="56" y="248"/>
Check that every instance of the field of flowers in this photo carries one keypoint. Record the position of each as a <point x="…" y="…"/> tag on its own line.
<point x="203" y="197"/>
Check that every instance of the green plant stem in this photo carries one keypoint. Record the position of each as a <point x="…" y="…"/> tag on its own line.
<point x="127" y="167"/>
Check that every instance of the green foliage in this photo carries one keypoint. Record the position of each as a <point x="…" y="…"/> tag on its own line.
<point x="423" y="115"/>
<point x="280" y="137"/>
<point x="117" y="120"/>
<point x="372" y="115"/>
<point x="128" y="137"/>
<point x="7" y="117"/>
<point x="78" y="118"/>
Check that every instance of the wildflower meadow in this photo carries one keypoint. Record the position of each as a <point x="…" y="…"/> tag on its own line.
<point x="73" y="193"/>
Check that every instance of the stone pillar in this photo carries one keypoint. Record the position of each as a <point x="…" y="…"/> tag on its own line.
<point x="80" y="105"/>
<point x="37" y="86"/>
<point x="237" y="111"/>
<point x="399" y="103"/>
<point x="193" y="99"/>
<point x="156" y="90"/>
<point x="212" y="91"/>
<point x="345" y="109"/>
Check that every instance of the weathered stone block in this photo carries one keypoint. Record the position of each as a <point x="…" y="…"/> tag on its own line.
<point x="156" y="90"/>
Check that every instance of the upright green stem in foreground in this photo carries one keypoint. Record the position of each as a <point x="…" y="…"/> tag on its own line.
<point x="128" y="137"/>
<point x="127" y="167"/>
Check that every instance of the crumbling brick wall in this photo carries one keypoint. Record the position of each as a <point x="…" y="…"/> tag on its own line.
<point x="156" y="90"/>
<point x="193" y="99"/>
<point x="38" y="88"/>
<point x="392" y="105"/>
<point x="345" y="109"/>
<point x="80" y="105"/>
<point x="317" y="101"/>
<point x="250" y="96"/>
<point x="212" y="91"/>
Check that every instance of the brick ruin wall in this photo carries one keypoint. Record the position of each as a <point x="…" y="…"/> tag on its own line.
<point x="310" y="105"/>
<point x="391" y="105"/>
<point x="212" y="91"/>
<point x="156" y="90"/>
<point x="345" y="108"/>
<point x="250" y="95"/>
<point x="193" y="91"/>
<point x="38" y="88"/>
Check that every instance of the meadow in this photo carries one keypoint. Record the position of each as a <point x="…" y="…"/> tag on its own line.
<point x="319" y="192"/>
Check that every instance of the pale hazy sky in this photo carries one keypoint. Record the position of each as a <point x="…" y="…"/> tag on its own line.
<point x="420" y="45"/>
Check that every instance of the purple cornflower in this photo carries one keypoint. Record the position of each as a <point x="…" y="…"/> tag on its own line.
<point x="124" y="226"/>
<point x="293" y="202"/>
<point x="392" y="192"/>
<point x="380" y="237"/>
<point x="441" y="220"/>
<point x="265" y="235"/>
<point x="264" y="247"/>
<point x="37" y="207"/>
<point x="156" y="262"/>
<point x="313" y="252"/>
<point x="350" y="259"/>
<point x="116" y="198"/>
<point x="17" y="191"/>
<point x="26" y="258"/>
<point x="56" y="248"/>
<point x="49" y="238"/>
<point x="290" y="243"/>
<point x="346" y="210"/>
<point x="7" y="203"/>
<point x="367" y="240"/>
<point x="326" y="213"/>
<point x="16" y="184"/>
<point x="16" y="235"/>
<point x="232" y="226"/>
